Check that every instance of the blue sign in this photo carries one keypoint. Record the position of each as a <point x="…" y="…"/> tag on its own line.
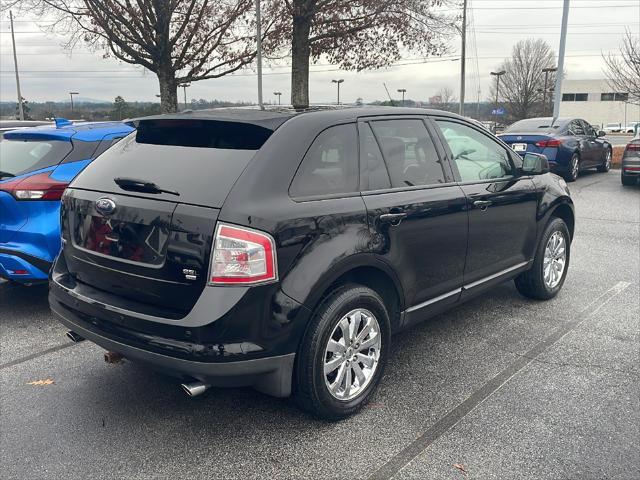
<point x="497" y="111"/>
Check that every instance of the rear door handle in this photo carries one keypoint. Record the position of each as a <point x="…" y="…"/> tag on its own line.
<point x="393" y="218"/>
<point x="482" y="204"/>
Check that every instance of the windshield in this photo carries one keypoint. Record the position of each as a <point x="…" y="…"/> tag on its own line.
<point x="532" y="125"/>
<point x="18" y="157"/>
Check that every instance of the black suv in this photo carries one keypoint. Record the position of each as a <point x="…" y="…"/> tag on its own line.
<point x="281" y="249"/>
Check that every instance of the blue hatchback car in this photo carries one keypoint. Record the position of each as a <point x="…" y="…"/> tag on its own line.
<point x="571" y="145"/>
<point x="36" y="165"/>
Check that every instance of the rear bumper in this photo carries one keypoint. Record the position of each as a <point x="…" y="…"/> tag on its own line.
<point x="271" y="375"/>
<point x="22" y="267"/>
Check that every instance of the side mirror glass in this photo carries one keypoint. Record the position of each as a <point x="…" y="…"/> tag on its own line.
<point x="602" y="133"/>
<point x="535" y="164"/>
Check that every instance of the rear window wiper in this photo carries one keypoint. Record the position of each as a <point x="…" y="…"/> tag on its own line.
<point x="6" y="174"/>
<point x="134" y="185"/>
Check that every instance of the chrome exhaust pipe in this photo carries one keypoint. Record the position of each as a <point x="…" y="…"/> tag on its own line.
<point x="74" y="337"/>
<point x="193" y="389"/>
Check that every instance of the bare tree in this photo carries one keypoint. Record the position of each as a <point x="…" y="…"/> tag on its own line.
<point x="359" y="34"/>
<point x="444" y="99"/>
<point x="179" y="40"/>
<point x="521" y="88"/>
<point x="623" y="70"/>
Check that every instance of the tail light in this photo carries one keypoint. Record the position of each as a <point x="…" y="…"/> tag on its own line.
<point x="551" y="143"/>
<point x="634" y="147"/>
<point x="242" y="256"/>
<point x="35" y="187"/>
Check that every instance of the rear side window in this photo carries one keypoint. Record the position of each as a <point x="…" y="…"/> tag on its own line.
<point x="409" y="152"/>
<point x="330" y="166"/>
<point x="18" y="157"/>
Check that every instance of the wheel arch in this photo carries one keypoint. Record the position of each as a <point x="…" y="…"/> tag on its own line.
<point x="564" y="211"/>
<point x="367" y="271"/>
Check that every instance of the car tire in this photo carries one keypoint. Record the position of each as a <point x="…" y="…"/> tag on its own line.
<point x="574" y="168"/>
<point x="543" y="281"/>
<point x="628" y="180"/>
<point x="606" y="163"/>
<point x="317" y="388"/>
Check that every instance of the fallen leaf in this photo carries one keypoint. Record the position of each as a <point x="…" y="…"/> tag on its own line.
<point x="460" y="467"/>
<point x="48" y="381"/>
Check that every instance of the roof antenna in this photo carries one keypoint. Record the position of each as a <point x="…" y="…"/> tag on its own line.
<point x="393" y="104"/>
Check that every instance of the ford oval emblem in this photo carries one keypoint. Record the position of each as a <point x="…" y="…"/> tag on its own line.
<point x="105" y="206"/>
<point x="518" y="138"/>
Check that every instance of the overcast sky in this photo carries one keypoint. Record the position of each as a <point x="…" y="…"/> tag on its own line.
<point x="48" y="72"/>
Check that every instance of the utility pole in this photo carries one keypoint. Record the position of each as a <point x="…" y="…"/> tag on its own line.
<point x="463" y="59"/>
<point x="71" y="94"/>
<point x="497" y="75"/>
<point x="559" y="75"/>
<point x="259" y="54"/>
<point x="277" y="94"/>
<point x="15" y="63"/>
<point x="184" y="90"/>
<point x="402" y="91"/>
<point x="546" y="82"/>
<point x="338" y="82"/>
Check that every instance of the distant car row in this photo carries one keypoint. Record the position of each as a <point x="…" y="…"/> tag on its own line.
<point x="632" y="127"/>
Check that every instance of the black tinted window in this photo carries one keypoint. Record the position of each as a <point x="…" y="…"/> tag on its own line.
<point x="330" y="165"/>
<point x="202" y="133"/>
<point x="372" y="161"/>
<point x="23" y="156"/>
<point x="409" y="153"/>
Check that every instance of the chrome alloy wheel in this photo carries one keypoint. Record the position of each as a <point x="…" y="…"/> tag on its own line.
<point x="352" y="353"/>
<point x="575" y="166"/>
<point x="555" y="259"/>
<point x="607" y="159"/>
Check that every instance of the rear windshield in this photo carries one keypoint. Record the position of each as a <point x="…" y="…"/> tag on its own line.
<point x="532" y="125"/>
<point x="18" y="157"/>
<point x="201" y="160"/>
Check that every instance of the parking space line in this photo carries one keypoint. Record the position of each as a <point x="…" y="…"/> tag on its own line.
<point x="26" y="358"/>
<point x="415" y="448"/>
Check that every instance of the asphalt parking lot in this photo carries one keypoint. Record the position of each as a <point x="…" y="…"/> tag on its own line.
<point x="501" y="387"/>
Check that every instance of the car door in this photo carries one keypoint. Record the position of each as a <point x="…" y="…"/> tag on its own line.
<point x="415" y="210"/>
<point x="577" y="131"/>
<point x="595" y="145"/>
<point x="502" y="203"/>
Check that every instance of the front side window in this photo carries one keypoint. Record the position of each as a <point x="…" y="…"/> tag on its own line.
<point x="330" y="166"/>
<point x="575" y="128"/>
<point x="409" y="153"/>
<point x="476" y="156"/>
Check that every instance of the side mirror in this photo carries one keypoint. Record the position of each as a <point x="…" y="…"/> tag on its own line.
<point x="602" y="133"/>
<point x="535" y="164"/>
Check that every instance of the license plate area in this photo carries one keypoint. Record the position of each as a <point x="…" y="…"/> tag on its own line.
<point x="519" y="147"/>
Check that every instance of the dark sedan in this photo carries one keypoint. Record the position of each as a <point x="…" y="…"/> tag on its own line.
<point x="571" y="144"/>
<point x="630" y="172"/>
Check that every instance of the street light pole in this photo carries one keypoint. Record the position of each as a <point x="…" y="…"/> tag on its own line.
<point x="497" y="75"/>
<point x="277" y="94"/>
<point x="71" y="94"/>
<point x="15" y="63"/>
<point x="259" y="54"/>
<point x="184" y="90"/>
<point x="544" y="93"/>
<point x="563" y="43"/>
<point x="402" y="91"/>
<point x="338" y="82"/>
<point x="463" y="55"/>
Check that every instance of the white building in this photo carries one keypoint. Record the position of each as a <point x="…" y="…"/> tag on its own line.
<point x="593" y="101"/>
